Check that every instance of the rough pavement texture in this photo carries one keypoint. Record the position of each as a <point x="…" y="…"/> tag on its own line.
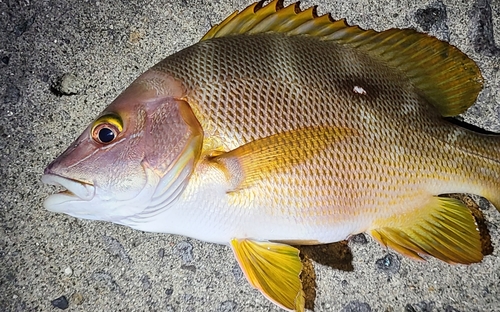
<point x="62" y="62"/>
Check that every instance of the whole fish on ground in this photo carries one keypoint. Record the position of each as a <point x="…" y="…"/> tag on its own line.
<point x="282" y="127"/>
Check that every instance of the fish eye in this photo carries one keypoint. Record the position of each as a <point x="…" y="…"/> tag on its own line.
<point x="106" y="135"/>
<point x="106" y="128"/>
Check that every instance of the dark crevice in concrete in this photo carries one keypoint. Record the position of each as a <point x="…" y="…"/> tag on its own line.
<point x="433" y="19"/>
<point x="482" y="35"/>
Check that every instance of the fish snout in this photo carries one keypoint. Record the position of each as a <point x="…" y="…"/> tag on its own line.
<point x="48" y="169"/>
<point x="78" y="189"/>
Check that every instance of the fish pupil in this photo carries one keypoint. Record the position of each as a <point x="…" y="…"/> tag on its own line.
<point x="106" y="135"/>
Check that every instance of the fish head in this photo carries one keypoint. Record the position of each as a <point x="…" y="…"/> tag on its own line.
<point x="133" y="159"/>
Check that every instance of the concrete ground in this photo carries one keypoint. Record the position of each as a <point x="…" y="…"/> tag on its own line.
<point x="62" y="62"/>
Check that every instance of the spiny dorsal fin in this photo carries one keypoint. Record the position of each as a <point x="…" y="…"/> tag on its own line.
<point x="447" y="78"/>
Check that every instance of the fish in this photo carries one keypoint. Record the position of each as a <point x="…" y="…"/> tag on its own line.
<point x="283" y="127"/>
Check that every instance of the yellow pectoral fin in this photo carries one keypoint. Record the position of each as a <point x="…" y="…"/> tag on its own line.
<point x="256" y="160"/>
<point x="444" y="228"/>
<point x="273" y="269"/>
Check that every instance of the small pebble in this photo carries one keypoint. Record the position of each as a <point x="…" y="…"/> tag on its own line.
<point x="68" y="84"/>
<point x="116" y="248"/>
<point x="68" y="271"/>
<point x="185" y="250"/>
<point x="135" y="36"/>
<point x="5" y="59"/>
<point x="356" y="306"/>
<point x="237" y="272"/>
<point x="359" y="239"/>
<point x="146" y="282"/>
<point x="389" y="264"/>
<point x="161" y="253"/>
<point x="422" y="306"/>
<point x="169" y="292"/>
<point x="187" y="297"/>
<point x="77" y="298"/>
<point x="61" y="303"/>
<point x="189" y="267"/>
<point x="227" y="306"/>
<point x="169" y="308"/>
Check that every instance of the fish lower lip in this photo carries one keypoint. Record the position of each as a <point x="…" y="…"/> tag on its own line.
<point x="74" y="188"/>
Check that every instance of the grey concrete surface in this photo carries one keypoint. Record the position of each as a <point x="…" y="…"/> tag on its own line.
<point x="62" y="62"/>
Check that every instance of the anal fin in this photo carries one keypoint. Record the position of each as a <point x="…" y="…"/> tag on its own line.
<point x="484" y="233"/>
<point x="273" y="269"/>
<point x="444" y="228"/>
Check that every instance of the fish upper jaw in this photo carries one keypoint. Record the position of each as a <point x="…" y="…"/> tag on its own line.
<point x="75" y="191"/>
<point x="88" y="200"/>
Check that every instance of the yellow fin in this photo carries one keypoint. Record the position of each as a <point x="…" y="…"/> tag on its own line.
<point x="446" y="77"/>
<point x="444" y="228"/>
<point x="484" y="233"/>
<point x="273" y="269"/>
<point x="256" y="160"/>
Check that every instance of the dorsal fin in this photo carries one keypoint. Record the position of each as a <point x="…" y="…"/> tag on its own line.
<point x="447" y="78"/>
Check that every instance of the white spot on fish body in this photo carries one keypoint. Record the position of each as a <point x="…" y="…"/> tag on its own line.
<point x="359" y="90"/>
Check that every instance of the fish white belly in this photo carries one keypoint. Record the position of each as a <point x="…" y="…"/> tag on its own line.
<point x="207" y="214"/>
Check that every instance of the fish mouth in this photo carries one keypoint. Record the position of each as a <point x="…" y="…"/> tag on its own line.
<point x="75" y="190"/>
